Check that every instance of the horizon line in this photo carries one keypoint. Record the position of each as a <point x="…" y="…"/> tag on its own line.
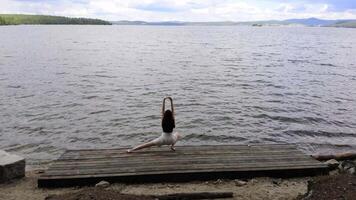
<point x="177" y="21"/>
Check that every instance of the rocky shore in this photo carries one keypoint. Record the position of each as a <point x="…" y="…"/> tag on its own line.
<point x="339" y="184"/>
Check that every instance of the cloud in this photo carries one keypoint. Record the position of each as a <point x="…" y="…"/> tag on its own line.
<point x="185" y="10"/>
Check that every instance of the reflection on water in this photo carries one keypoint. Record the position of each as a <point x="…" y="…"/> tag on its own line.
<point x="102" y="86"/>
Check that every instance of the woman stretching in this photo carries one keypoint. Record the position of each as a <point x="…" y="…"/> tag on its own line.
<point x="167" y="137"/>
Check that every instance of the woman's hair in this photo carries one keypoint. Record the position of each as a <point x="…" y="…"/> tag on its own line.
<point x="168" y="122"/>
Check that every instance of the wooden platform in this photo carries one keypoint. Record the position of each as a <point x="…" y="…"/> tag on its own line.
<point x="187" y="163"/>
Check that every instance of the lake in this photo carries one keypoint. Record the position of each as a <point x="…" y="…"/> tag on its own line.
<point x="102" y="86"/>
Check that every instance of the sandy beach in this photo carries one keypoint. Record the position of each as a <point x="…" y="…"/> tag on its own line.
<point x="340" y="183"/>
<point x="257" y="188"/>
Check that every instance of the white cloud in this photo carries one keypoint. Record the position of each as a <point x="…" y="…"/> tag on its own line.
<point x="182" y="10"/>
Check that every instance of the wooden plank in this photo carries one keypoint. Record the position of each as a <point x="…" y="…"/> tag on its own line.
<point x="178" y="152"/>
<point x="167" y="170"/>
<point x="170" y="165"/>
<point x="187" y="161"/>
<point x="154" y="163"/>
<point x="177" y="158"/>
<point x="251" y="164"/>
<point x="200" y="149"/>
<point x="231" y="169"/>
<point x="273" y="168"/>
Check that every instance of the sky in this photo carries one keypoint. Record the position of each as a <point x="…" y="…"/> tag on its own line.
<point x="185" y="10"/>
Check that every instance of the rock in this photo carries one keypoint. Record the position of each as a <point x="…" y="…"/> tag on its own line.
<point x="11" y="166"/>
<point x="277" y="181"/>
<point x="332" y="163"/>
<point x="351" y="171"/>
<point x="39" y="171"/>
<point x="340" y="168"/>
<point x="334" y="172"/>
<point x="253" y="181"/>
<point x="103" y="184"/>
<point x="347" y="165"/>
<point x="240" y="183"/>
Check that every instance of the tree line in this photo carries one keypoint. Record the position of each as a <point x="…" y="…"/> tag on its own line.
<point x="9" y="19"/>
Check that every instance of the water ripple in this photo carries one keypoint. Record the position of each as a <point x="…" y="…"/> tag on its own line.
<point x="277" y="85"/>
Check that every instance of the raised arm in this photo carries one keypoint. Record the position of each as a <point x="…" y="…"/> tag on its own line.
<point x="172" y="107"/>
<point x="163" y="106"/>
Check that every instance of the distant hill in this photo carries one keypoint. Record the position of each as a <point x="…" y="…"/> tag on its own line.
<point x="178" y="23"/>
<point x="345" y="24"/>
<point x="311" y="22"/>
<point x="290" y="22"/>
<point x="14" y="19"/>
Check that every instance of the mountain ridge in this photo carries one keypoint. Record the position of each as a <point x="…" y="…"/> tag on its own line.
<point x="17" y="19"/>
<point x="310" y="22"/>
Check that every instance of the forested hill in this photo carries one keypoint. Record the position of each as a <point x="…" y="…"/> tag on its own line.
<point x="14" y="19"/>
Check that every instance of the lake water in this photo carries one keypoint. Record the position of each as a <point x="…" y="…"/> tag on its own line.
<point x="102" y="86"/>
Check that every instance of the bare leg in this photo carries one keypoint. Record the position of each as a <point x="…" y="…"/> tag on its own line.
<point x="142" y="146"/>
<point x="178" y="137"/>
<point x="172" y="147"/>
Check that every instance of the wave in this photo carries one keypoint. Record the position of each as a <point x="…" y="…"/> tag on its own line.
<point x="319" y="133"/>
<point x="98" y="112"/>
<point x="300" y="120"/>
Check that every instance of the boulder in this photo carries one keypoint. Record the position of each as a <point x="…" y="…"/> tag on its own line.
<point x="332" y="163"/>
<point x="11" y="166"/>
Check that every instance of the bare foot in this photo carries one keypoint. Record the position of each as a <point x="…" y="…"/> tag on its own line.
<point x="172" y="148"/>
<point x="129" y="151"/>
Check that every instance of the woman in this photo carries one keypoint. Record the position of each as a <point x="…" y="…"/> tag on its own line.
<point x="168" y="124"/>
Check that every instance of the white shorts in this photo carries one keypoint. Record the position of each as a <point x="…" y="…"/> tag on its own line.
<point x="166" y="139"/>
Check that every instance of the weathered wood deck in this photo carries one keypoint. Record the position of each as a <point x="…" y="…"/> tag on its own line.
<point x="86" y="167"/>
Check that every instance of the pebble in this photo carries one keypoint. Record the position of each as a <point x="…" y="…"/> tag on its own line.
<point x="277" y="181"/>
<point x="332" y="163"/>
<point x="253" y="181"/>
<point x="240" y="183"/>
<point x="351" y="171"/>
<point x="333" y="172"/>
<point x="39" y="171"/>
<point x="103" y="184"/>
<point x="219" y="181"/>
<point x="347" y="166"/>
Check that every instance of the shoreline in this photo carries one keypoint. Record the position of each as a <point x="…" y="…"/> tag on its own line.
<point x="256" y="188"/>
<point x="340" y="182"/>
